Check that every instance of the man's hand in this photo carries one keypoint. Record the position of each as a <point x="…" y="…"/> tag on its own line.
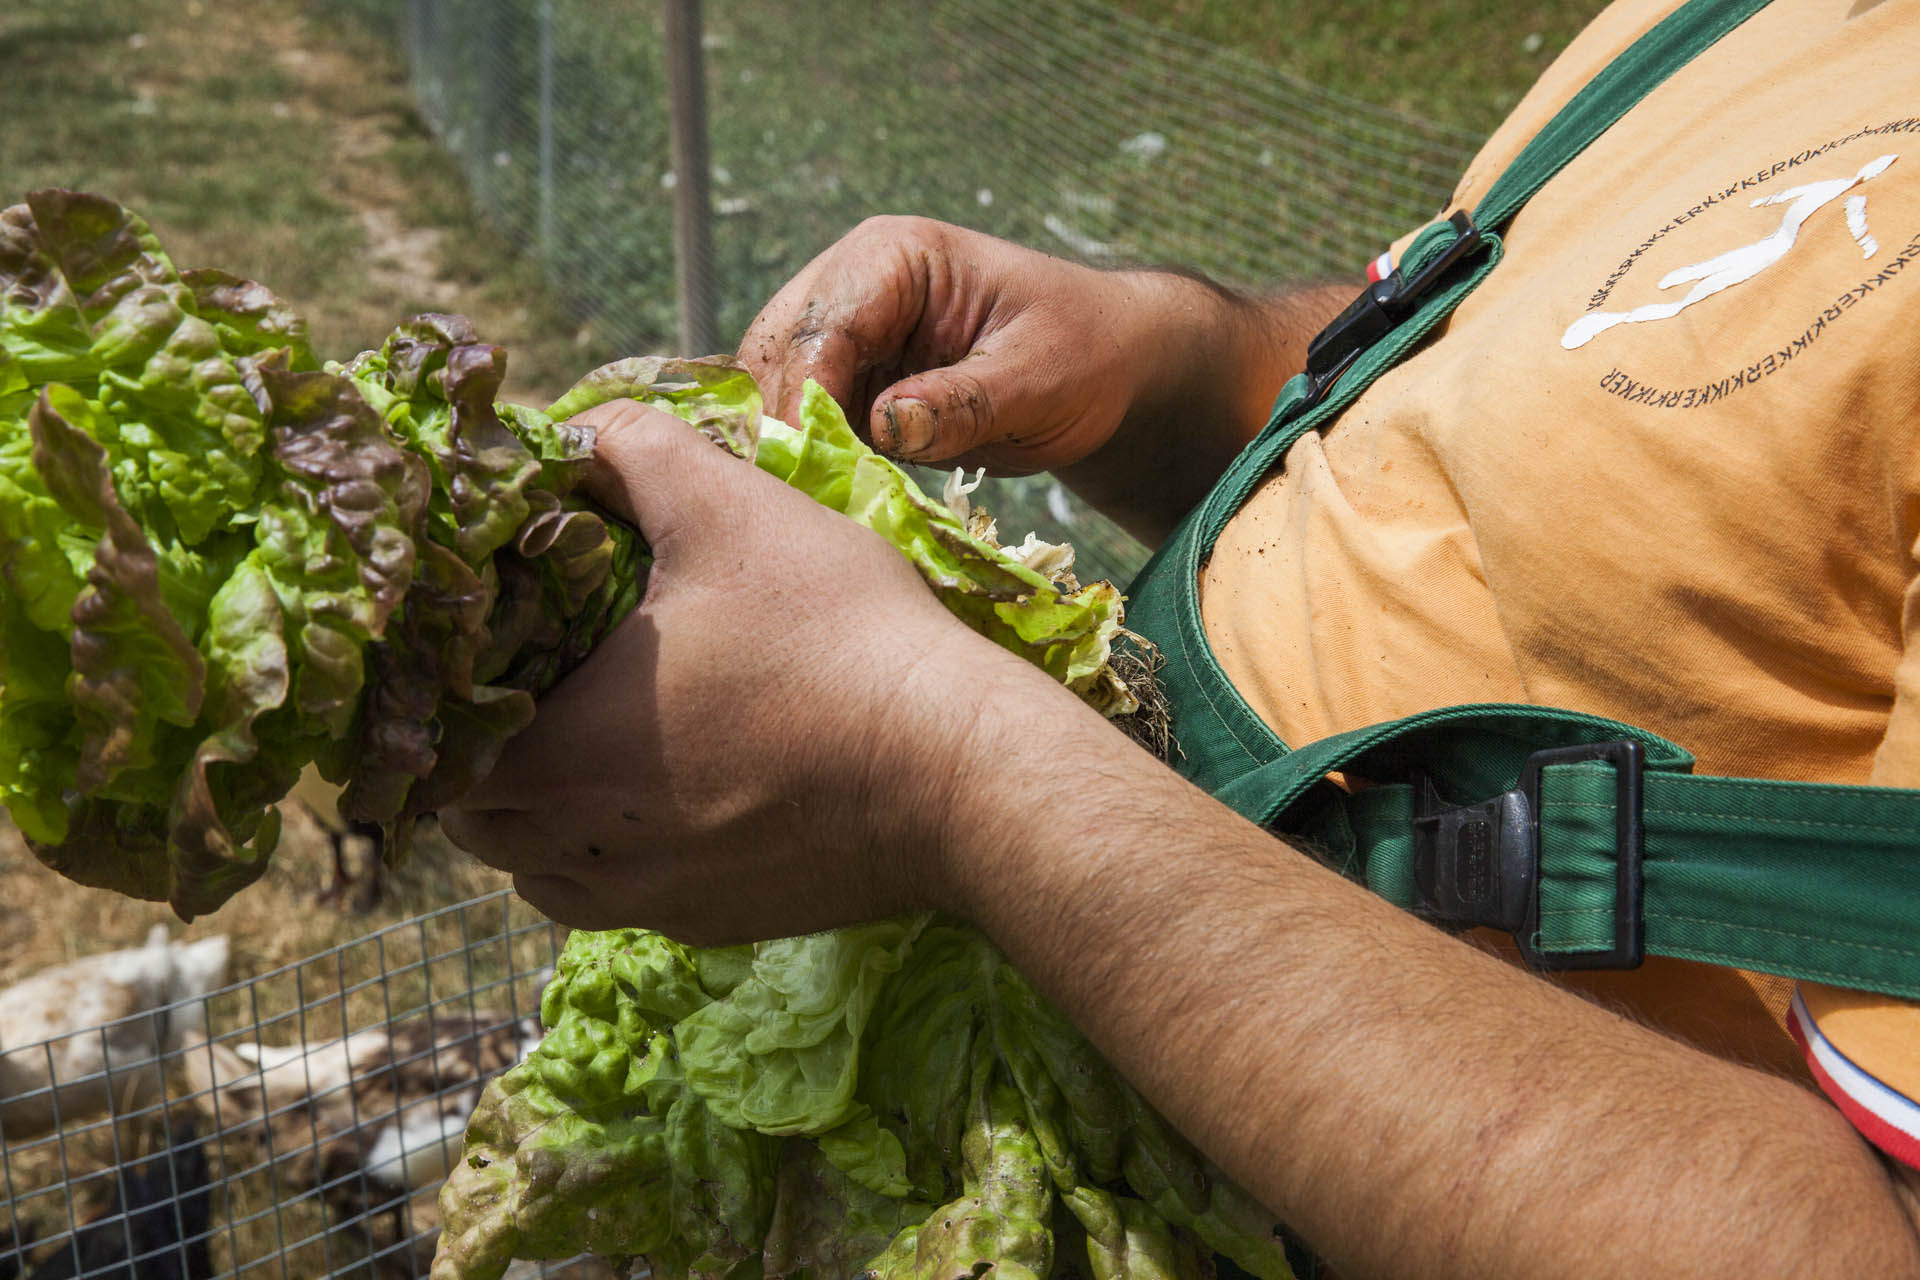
<point x="764" y="747"/>
<point x="790" y="733"/>
<point x="948" y="346"/>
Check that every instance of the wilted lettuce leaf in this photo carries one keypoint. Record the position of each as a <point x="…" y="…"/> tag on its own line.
<point x="1126" y="1238"/>
<point x="825" y="1223"/>
<point x="1000" y="1224"/>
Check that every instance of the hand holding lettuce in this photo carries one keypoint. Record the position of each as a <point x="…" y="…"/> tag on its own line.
<point x="221" y="560"/>
<point x="926" y="1111"/>
<point x="765" y="746"/>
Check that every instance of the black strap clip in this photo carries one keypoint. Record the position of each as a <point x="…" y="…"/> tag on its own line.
<point x="1382" y="305"/>
<point x="1479" y="864"/>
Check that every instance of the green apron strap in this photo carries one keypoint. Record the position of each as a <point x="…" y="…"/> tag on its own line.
<point x="1220" y="735"/>
<point x="1806" y="880"/>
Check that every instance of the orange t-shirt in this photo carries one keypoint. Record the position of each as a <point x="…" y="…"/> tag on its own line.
<point x="1660" y="466"/>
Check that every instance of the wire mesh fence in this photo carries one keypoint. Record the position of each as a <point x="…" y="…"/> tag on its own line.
<point x="296" y="1123"/>
<point x="1062" y="124"/>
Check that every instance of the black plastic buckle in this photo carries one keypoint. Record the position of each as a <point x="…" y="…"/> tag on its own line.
<point x="1380" y="306"/>
<point x="1479" y="864"/>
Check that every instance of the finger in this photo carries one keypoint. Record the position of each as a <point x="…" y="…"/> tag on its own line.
<point x="1008" y="398"/>
<point x="602" y="712"/>
<point x="502" y="837"/>
<point x="821" y="353"/>
<point x="656" y="471"/>
<point x="573" y="895"/>
<point x="772" y="349"/>
<point x="934" y="416"/>
<point x="765" y="349"/>
<point x="852" y="309"/>
<point x="569" y="902"/>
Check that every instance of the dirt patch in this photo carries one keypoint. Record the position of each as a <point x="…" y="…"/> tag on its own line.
<point x="405" y="261"/>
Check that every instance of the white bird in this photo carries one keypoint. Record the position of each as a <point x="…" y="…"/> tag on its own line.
<point x="81" y="1038"/>
<point x="375" y="1113"/>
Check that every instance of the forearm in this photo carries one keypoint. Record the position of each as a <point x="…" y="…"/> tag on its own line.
<point x="1210" y="362"/>
<point x="1412" y="1106"/>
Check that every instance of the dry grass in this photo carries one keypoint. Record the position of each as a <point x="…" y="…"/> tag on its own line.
<point x="45" y="919"/>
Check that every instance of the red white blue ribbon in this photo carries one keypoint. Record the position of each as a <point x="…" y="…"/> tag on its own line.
<point x="1887" y="1118"/>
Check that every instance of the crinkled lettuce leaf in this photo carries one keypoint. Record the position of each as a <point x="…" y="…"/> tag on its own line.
<point x="777" y="1054"/>
<point x="1066" y="630"/>
<point x="221" y="561"/>
<point x="595" y="1141"/>
<point x="715" y="394"/>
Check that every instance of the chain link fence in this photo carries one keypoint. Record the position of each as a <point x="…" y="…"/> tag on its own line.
<point x="1062" y="124"/>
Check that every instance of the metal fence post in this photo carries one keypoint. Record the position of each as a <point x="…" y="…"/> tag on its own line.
<point x="692" y="169"/>
<point x="545" y="232"/>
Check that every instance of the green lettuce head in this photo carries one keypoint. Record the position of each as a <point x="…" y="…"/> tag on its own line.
<point x="890" y="1100"/>
<point x="221" y="561"/>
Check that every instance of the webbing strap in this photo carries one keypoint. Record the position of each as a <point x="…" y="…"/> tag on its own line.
<point x="1807" y="880"/>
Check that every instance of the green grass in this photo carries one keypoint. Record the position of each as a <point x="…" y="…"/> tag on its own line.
<point x="94" y="99"/>
<point x="255" y="135"/>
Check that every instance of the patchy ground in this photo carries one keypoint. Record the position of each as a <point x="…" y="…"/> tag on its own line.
<point x="276" y="140"/>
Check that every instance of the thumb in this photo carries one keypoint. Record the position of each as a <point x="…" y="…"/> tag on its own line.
<point x="944" y="413"/>
<point x="654" y="470"/>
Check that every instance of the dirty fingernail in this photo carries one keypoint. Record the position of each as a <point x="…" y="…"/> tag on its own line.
<point x="911" y="422"/>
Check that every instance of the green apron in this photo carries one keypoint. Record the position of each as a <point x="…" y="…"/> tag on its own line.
<point x="1591" y="841"/>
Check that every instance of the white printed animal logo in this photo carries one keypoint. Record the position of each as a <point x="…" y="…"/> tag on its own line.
<point x="1737" y="266"/>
